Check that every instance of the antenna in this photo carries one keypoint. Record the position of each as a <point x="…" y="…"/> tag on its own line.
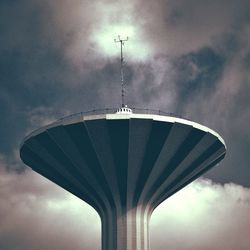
<point x="121" y="41"/>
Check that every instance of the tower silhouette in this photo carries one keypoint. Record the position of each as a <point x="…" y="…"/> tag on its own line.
<point x="123" y="164"/>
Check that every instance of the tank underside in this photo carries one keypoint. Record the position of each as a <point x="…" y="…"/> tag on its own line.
<point x="123" y="165"/>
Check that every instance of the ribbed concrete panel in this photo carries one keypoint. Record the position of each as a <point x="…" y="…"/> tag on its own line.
<point x="124" y="165"/>
<point x="99" y="136"/>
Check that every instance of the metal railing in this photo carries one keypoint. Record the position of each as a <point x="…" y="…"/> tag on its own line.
<point x="113" y="110"/>
<point x="103" y="111"/>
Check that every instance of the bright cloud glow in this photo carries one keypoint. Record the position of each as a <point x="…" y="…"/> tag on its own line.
<point x="111" y="25"/>
<point x="201" y="214"/>
<point x="190" y="204"/>
<point x="136" y="48"/>
<point x="73" y="205"/>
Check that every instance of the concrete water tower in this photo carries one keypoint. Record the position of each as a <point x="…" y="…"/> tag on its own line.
<point x="123" y="163"/>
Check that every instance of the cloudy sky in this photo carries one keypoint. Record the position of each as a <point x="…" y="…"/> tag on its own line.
<point x="190" y="57"/>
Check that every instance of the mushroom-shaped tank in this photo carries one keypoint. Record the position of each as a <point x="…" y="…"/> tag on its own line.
<point x="124" y="165"/>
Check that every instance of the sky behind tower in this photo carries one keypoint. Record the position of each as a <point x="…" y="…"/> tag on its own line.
<point x="189" y="57"/>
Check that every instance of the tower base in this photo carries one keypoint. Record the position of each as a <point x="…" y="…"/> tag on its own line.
<point x="126" y="230"/>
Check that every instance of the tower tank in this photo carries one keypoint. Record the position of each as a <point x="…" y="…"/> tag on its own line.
<point x="123" y="164"/>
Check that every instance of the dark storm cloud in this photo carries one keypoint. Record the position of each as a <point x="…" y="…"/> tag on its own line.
<point x="198" y="72"/>
<point x="178" y="27"/>
<point x="207" y="43"/>
<point x="225" y="108"/>
<point x="51" y="65"/>
<point x="35" y="72"/>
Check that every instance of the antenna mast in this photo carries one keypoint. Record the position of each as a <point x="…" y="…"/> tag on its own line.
<point x="121" y="41"/>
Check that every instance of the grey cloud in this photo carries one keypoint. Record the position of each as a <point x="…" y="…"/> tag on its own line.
<point x="197" y="73"/>
<point x="36" y="214"/>
<point x="41" y="80"/>
<point x="34" y="71"/>
<point x="178" y="27"/>
<point x="226" y="109"/>
<point x="209" y="77"/>
<point x="51" y="66"/>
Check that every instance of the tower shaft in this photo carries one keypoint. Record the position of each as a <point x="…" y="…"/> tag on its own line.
<point x="127" y="231"/>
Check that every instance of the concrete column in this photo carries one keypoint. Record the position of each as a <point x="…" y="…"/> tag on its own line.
<point x="126" y="231"/>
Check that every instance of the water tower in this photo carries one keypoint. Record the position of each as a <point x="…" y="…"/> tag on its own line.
<point x="123" y="163"/>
